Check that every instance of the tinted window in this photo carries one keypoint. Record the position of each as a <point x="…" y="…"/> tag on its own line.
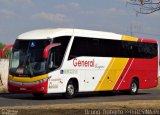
<point x="84" y="47"/>
<point x="32" y="44"/>
<point x="144" y="50"/>
<point x="64" y="43"/>
<point x="57" y="53"/>
<point x="111" y="48"/>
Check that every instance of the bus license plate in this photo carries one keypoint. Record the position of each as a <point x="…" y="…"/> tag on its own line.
<point x="23" y="89"/>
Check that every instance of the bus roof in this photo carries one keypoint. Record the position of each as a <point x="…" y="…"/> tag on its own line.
<point x="51" y="33"/>
<point x="57" y="32"/>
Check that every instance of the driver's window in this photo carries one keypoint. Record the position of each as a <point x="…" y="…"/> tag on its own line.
<point x="55" y="57"/>
<point x="57" y="53"/>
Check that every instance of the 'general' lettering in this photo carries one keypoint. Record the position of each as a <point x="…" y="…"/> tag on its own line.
<point x="83" y="63"/>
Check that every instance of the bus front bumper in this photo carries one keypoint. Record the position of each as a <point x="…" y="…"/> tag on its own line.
<point x="29" y="87"/>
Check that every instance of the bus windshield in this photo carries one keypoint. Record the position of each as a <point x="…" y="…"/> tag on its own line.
<point x="27" y="58"/>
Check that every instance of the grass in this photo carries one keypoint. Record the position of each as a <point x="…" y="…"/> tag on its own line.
<point x="134" y="104"/>
<point x="80" y="108"/>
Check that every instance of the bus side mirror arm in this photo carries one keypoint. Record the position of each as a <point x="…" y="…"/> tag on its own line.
<point x="3" y="51"/>
<point x="48" y="48"/>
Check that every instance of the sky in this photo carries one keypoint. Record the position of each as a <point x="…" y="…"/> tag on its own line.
<point x="19" y="16"/>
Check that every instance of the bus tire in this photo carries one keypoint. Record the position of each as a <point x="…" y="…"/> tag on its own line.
<point x="38" y="95"/>
<point x="134" y="87"/>
<point x="70" y="90"/>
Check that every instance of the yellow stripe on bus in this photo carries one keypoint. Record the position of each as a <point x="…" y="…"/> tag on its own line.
<point x="114" y="70"/>
<point x="112" y="74"/>
<point x="27" y="79"/>
<point x="129" y="38"/>
<point x="102" y="80"/>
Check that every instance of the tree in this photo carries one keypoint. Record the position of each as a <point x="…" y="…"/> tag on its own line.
<point x="146" y="6"/>
<point x="7" y="52"/>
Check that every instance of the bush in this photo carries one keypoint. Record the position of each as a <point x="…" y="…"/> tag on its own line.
<point x="7" y="54"/>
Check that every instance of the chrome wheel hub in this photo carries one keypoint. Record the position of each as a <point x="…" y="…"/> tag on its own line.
<point x="134" y="87"/>
<point x="70" y="89"/>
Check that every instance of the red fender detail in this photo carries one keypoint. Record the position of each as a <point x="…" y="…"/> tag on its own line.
<point x="4" y="50"/>
<point x="47" y="48"/>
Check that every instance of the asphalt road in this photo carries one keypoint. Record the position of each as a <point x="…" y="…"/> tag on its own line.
<point x="28" y="99"/>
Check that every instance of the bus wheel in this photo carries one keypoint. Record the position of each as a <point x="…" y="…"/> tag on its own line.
<point x="38" y="95"/>
<point x="70" y="90"/>
<point x="133" y="87"/>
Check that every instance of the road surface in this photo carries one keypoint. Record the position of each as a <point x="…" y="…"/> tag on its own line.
<point x="28" y="99"/>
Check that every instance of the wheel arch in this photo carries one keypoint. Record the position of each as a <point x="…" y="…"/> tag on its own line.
<point x="75" y="80"/>
<point x="137" y="79"/>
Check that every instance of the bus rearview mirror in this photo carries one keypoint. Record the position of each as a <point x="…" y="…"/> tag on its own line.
<point x="48" y="48"/>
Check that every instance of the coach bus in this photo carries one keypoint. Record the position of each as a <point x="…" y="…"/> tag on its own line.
<point x="69" y="61"/>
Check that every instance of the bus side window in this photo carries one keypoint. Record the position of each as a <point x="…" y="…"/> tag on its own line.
<point x="127" y="49"/>
<point x="84" y="47"/>
<point x="145" y="50"/>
